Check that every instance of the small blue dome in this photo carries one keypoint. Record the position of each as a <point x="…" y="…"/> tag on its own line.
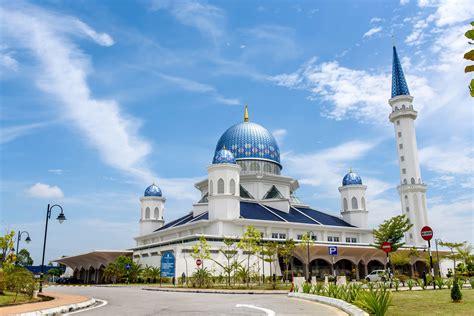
<point x="153" y="190"/>
<point x="249" y="140"/>
<point x="351" y="178"/>
<point x="223" y="156"/>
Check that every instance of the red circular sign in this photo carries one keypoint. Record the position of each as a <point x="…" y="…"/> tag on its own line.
<point x="386" y="246"/>
<point x="426" y="233"/>
<point x="198" y="262"/>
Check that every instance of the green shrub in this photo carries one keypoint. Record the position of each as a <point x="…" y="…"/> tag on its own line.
<point x="449" y="283"/>
<point x="2" y="282"/>
<point x="403" y="279"/>
<point x="410" y="284"/>
<point x="375" y="301"/>
<point x="456" y="294"/>
<point x="201" y="278"/>
<point x="306" y="287"/>
<point x="471" y="280"/>
<point x="396" y="284"/>
<point x="20" y="280"/>
<point x="421" y="283"/>
<point x="439" y="282"/>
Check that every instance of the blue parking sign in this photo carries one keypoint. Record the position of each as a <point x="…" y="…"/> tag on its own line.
<point x="332" y="250"/>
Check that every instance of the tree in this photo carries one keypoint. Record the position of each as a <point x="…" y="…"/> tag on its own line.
<point x="230" y="254"/>
<point x="285" y="250"/>
<point x="393" y="231"/>
<point x="250" y="244"/>
<point x="453" y="246"/>
<point x="470" y="56"/>
<point x="305" y="244"/>
<point x="270" y="252"/>
<point x="112" y="272"/>
<point x="55" y="272"/>
<point x="24" y="259"/>
<point x="7" y="254"/>
<point x="201" y="250"/>
<point x="151" y="272"/>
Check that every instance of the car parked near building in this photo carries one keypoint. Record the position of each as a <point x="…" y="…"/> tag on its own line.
<point x="377" y="275"/>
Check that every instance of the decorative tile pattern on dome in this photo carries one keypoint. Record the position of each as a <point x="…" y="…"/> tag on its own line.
<point x="153" y="190"/>
<point x="223" y="156"/>
<point x="351" y="178"/>
<point x="399" y="84"/>
<point x="248" y="140"/>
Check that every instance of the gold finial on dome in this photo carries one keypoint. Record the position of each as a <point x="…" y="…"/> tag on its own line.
<point x="246" y="114"/>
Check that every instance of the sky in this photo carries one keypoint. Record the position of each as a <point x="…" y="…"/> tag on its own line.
<point x="98" y="99"/>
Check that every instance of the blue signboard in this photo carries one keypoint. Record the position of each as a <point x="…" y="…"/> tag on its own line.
<point x="332" y="250"/>
<point x="127" y="266"/>
<point x="167" y="265"/>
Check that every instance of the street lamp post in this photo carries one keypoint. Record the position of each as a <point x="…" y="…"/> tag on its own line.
<point x="61" y="218"/>
<point x="310" y="235"/>
<point x="437" y="256"/>
<point x="28" y="239"/>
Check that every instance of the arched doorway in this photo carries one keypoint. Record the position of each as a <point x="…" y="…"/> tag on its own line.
<point x="345" y="267"/>
<point x="320" y="268"/>
<point x="374" y="265"/>
<point x="420" y="266"/>
<point x="297" y="267"/>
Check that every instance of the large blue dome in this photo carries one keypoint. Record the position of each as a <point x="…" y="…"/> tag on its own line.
<point x="153" y="190"/>
<point x="249" y="140"/>
<point x="224" y="156"/>
<point x="351" y="178"/>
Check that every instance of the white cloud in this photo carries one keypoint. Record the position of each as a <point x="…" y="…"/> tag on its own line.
<point x="450" y="160"/>
<point x="209" y="20"/>
<point x="325" y="168"/>
<point x="43" y="191"/>
<point x="372" y="31"/>
<point x="375" y="20"/>
<point x="63" y="74"/>
<point x="8" y="62"/>
<point x="57" y="171"/>
<point x="280" y="135"/>
<point x="403" y="2"/>
<point x="102" y="39"/>
<point x="354" y="93"/>
<point x="8" y="134"/>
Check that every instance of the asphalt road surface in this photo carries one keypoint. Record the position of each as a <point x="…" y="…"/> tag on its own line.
<point x="135" y="301"/>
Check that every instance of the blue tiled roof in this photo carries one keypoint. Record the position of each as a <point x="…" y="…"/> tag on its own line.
<point x="153" y="190"/>
<point x="249" y="210"/>
<point x="399" y="84"/>
<point x="223" y="156"/>
<point x="351" y="178"/>
<point x="324" y="218"/>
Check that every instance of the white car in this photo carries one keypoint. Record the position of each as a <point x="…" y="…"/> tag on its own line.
<point x="377" y="275"/>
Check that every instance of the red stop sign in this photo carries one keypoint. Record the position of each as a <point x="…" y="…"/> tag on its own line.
<point x="386" y="246"/>
<point x="198" y="262"/>
<point x="426" y="233"/>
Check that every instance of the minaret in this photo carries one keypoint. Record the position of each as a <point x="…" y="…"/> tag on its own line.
<point x="411" y="189"/>
<point x="224" y="186"/>
<point x="152" y="208"/>
<point x="353" y="209"/>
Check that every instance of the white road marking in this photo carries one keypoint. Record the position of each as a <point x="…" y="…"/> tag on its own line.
<point x="103" y="303"/>
<point x="269" y="312"/>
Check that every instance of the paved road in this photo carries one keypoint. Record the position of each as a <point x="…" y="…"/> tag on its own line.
<point x="135" y="301"/>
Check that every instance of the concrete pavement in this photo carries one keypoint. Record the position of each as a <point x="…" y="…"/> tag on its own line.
<point x="135" y="301"/>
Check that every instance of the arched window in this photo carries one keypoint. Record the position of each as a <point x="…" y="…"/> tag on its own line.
<point x="363" y="203"/>
<point x="157" y="213"/>
<point x="405" y="181"/>
<point x="211" y="188"/>
<point x="232" y="187"/>
<point x="220" y="186"/>
<point x="345" y="204"/>
<point x="354" y="203"/>
<point x="254" y="166"/>
<point x="147" y="213"/>
<point x="267" y="168"/>
<point x="412" y="180"/>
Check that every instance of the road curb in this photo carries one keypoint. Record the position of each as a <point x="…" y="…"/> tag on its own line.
<point x="342" y="305"/>
<point x="58" y="310"/>
<point x="211" y="291"/>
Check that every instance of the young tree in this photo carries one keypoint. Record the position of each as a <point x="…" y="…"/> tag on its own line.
<point x="270" y="252"/>
<point x="470" y="56"/>
<point x="285" y="250"/>
<point x="230" y="253"/>
<point x="7" y="255"/>
<point x="455" y="255"/>
<point x="393" y="231"/>
<point x="250" y="244"/>
<point x="112" y="272"/>
<point x="305" y="245"/>
<point x="201" y="250"/>
<point x="24" y="259"/>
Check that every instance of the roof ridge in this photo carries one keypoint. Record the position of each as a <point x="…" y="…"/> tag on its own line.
<point x="306" y="215"/>
<point x="272" y="211"/>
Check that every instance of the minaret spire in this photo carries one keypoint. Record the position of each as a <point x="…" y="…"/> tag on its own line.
<point x="246" y="114"/>
<point x="399" y="84"/>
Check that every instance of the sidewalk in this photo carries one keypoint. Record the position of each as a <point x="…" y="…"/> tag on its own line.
<point x="60" y="300"/>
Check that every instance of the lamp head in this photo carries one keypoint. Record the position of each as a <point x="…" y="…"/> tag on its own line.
<point x="28" y="239"/>
<point x="61" y="218"/>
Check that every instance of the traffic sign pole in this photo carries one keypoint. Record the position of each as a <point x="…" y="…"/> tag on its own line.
<point x="431" y="265"/>
<point x="427" y="234"/>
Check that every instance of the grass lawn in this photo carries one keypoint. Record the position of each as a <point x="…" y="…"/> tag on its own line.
<point x="8" y="298"/>
<point x="437" y="302"/>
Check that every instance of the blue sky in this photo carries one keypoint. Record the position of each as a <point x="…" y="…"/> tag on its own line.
<point x="99" y="99"/>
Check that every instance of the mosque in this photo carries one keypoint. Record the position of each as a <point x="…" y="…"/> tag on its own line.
<point x="245" y="186"/>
